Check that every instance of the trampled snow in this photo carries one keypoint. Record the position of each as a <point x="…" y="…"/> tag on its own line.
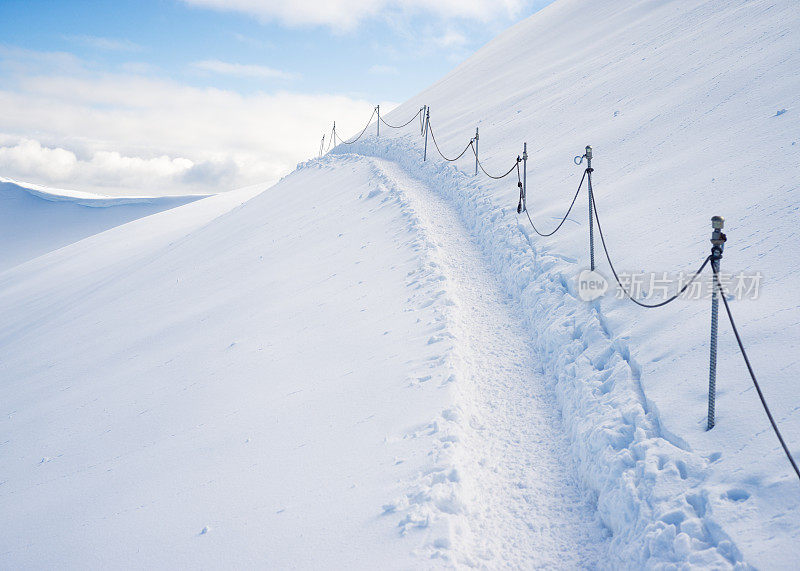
<point x="377" y="363"/>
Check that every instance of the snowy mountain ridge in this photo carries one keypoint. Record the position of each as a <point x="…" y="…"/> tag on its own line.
<point x="36" y="219"/>
<point x="92" y="199"/>
<point x="378" y="358"/>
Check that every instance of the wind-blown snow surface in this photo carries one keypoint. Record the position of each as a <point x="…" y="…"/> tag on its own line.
<point x="35" y="220"/>
<point x="376" y="363"/>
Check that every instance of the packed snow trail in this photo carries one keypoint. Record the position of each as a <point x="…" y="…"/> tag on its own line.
<point x="523" y="505"/>
<point x="650" y="491"/>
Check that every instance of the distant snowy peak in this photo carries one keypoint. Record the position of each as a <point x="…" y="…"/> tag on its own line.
<point x="35" y="220"/>
<point x="91" y="199"/>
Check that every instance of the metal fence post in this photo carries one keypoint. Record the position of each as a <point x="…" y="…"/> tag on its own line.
<point x="476" y="150"/>
<point x="379" y="121"/>
<point x="717" y="244"/>
<point x="524" y="177"/>
<point x="589" y="171"/>
<point x="427" y="121"/>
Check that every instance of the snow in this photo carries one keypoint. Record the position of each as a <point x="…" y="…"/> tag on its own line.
<point x="679" y="102"/>
<point x="521" y="474"/>
<point x="376" y="363"/>
<point x="35" y="220"/>
<point x="168" y="405"/>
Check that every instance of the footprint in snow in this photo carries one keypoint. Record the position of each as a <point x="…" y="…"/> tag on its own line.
<point x="737" y="495"/>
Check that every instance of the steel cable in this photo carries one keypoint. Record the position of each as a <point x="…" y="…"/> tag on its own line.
<point x="484" y="170"/>
<point x="622" y="287"/>
<point x="564" y="219"/>
<point x="440" y="151"/>
<point x="404" y="124"/>
<point x="752" y="374"/>
<point x="364" y="130"/>
<point x="332" y="140"/>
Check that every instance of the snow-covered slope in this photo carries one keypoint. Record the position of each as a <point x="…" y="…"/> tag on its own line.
<point x="35" y="220"/>
<point x="692" y="110"/>
<point x="375" y="363"/>
<point x="272" y="387"/>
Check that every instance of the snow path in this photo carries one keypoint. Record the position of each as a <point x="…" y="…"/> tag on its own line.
<point x="523" y="502"/>
<point x="650" y="488"/>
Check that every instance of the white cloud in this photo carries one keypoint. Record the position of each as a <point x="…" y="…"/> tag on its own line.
<point x="242" y="70"/>
<point x="122" y="133"/>
<point x="20" y="60"/>
<point x="137" y="67"/>
<point x="383" y="70"/>
<point x="346" y="14"/>
<point x="109" y="44"/>
<point x="28" y="159"/>
<point x="254" y="43"/>
<point x="450" y="39"/>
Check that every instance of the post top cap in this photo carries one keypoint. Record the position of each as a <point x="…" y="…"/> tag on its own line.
<point x="717" y="222"/>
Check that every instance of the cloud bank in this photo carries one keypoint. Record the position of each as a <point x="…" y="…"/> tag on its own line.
<point x="347" y="14"/>
<point x="242" y="70"/>
<point x="124" y="133"/>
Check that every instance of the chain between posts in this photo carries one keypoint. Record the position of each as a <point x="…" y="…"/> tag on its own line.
<point x="417" y="114"/>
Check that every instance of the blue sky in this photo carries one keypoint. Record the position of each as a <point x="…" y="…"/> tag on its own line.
<point x="194" y="95"/>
